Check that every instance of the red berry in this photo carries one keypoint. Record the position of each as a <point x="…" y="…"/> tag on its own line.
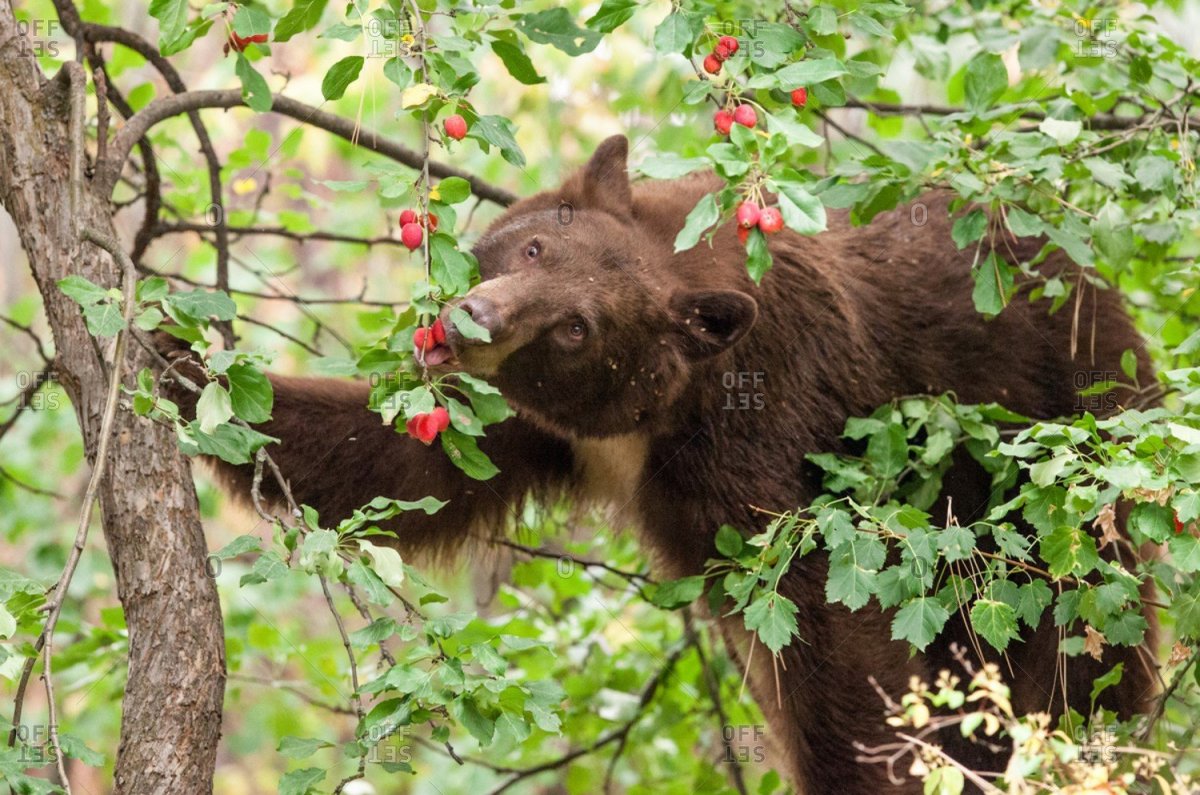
<point x="440" y="418"/>
<point x="438" y="332"/>
<point x="721" y="53"/>
<point x="411" y="235"/>
<point x="770" y="221"/>
<point x="407" y="217"/>
<point x="743" y="235"/>
<point x="422" y="340"/>
<point x="423" y="427"/>
<point x="800" y="97"/>
<point x="712" y="65"/>
<point x="747" y="214"/>
<point x="456" y="127"/>
<point x="1178" y="525"/>
<point x="430" y="221"/>
<point x="729" y="43"/>
<point x="723" y="121"/>
<point x="745" y="115"/>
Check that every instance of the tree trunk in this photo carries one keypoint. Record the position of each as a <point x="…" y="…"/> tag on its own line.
<point x="171" y="719"/>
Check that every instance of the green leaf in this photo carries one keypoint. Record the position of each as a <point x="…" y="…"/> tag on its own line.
<point x="487" y="402"/>
<point x="758" y="255"/>
<point x="677" y="32"/>
<point x="255" y="91"/>
<point x="1129" y="363"/>
<point x="1112" y="235"/>
<point x="385" y="561"/>
<point x="1063" y="131"/>
<point x="231" y="443"/>
<point x="498" y="131"/>
<point x="213" y="408"/>
<point x="674" y="594"/>
<point x="611" y="15"/>
<point x="104" y="320"/>
<point x="848" y="582"/>
<point x="301" y="782"/>
<point x="304" y="15"/>
<point x="802" y="212"/>
<point x="729" y="541"/>
<point x="453" y="190"/>
<point x="467" y="326"/>
<point x="993" y="285"/>
<point x="809" y="72"/>
<point x="669" y="165"/>
<point x="773" y="617"/>
<point x="301" y="747"/>
<point x="340" y="76"/>
<point x="1185" y="552"/>
<point x="1069" y="551"/>
<point x="1110" y="679"/>
<point x="82" y="291"/>
<point x="969" y="228"/>
<point x="465" y="454"/>
<point x="186" y="308"/>
<point x="557" y="28"/>
<point x="703" y="215"/>
<point x="517" y="62"/>
<point x="919" y="621"/>
<point x="986" y="79"/>
<point x="238" y="546"/>
<point x="449" y="267"/>
<point x="996" y="622"/>
<point x="944" y="781"/>
<point x="466" y="711"/>
<point x="8" y="624"/>
<point x="251" y="393"/>
<point x="251" y="21"/>
<point x="172" y="16"/>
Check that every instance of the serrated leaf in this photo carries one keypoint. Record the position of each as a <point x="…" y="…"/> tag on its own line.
<point x="773" y="617"/>
<point x="996" y="622"/>
<point x="919" y="621"/>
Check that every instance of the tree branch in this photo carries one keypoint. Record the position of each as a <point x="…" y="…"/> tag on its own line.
<point x="109" y="170"/>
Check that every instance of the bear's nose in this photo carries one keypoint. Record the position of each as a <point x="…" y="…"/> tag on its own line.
<point x="485" y="313"/>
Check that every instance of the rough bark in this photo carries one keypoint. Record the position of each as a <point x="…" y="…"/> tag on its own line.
<point x="171" y="717"/>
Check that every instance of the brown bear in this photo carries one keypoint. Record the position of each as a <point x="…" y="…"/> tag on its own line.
<point x="616" y="354"/>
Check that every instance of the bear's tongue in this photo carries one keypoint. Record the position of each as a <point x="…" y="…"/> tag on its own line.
<point x="437" y="355"/>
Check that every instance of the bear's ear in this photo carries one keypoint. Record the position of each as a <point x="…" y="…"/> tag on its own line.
<point x="712" y="320"/>
<point x="603" y="184"/>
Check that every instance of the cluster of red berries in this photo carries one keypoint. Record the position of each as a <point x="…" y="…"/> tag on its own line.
<point x="744" y="115"/>
<point x="425" y="427"/>
<point x="427" y="338"/>
<point x="750" y="215"/>
<point x="455" y="126"/>
<point x="240" y="43"/>
<point x="726" y="46"/>
<point x="411" y="225"/>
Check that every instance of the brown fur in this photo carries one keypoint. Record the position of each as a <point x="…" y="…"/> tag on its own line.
<point x="635" y="415"/>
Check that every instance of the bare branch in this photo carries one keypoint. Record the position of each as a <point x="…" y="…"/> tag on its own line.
<point x="109" y="170"/>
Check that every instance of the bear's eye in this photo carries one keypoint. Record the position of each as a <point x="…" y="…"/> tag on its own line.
<point x="577" y="329"/>
<point x="533" y="250"/>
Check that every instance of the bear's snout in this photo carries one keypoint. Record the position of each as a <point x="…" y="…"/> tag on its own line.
<point x="485" y="313"/>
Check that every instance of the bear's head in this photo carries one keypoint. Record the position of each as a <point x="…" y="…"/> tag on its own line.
<point x="594" y="329"/>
